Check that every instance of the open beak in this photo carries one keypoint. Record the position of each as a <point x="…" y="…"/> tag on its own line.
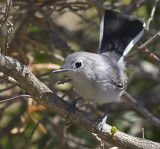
<point x="62" y="70"/>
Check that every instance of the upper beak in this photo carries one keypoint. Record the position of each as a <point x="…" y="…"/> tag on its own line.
<point x="62" y="70"/>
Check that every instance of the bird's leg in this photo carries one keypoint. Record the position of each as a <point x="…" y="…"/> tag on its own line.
<point x="103" y="119"/>
<point x="72" y="106"/>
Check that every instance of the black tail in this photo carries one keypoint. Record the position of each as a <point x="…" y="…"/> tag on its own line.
<point x="118" y="34"/>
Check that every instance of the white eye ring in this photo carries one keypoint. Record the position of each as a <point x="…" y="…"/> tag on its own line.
<point x="78" y="64"/>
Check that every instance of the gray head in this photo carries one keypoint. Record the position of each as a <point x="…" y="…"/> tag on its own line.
<point x="76" y="63"/>
<point x="83" y="63"/>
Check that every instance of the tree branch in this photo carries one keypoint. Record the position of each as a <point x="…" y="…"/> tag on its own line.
<point x="43" y="95"/>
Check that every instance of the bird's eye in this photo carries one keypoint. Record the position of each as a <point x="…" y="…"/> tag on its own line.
<point x="78" y="64"/>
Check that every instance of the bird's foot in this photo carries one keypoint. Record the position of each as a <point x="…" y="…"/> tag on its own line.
<point x="102" y="122"/>
<point x="72" y="106"/>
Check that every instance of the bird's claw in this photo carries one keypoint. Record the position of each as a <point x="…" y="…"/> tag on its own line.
<point x="102" y="122"/>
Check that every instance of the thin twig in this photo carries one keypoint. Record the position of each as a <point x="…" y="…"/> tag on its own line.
<point x="149" y="41"/>
<point x="8" y="88"/>
<point x="12" y="123"/>
<point x="134" y="5"/>
<point x="145" y="50"/>
<point x="5" y="13"/>
<point x="98" y="5"/>
<point x="142" y="133"/>
<point x="49" y="142"/>
<point x="30" y="136"/>
<point x="155" y="121"/>
<point x="152" y="14"/>
<point x="85" y="19"/>
<point x="9" y="27"/>
<point x="8" y="78"/>
<point x="4" y="21"/>
<point x="152" y="56"/>
<point x="15" y="98"/>
<point x="99" y="139"/>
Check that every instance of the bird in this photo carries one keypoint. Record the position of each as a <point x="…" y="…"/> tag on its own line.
<point x="100" y="77"/>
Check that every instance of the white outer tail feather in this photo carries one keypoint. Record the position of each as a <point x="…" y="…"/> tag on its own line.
<point x="129" y="47"/>
<point x="101" y="32"/>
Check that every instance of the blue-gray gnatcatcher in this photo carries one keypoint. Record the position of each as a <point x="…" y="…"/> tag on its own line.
<point x="101" y="77"/>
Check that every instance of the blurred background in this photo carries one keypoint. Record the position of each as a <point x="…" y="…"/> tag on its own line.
<point x="40" y="34"/>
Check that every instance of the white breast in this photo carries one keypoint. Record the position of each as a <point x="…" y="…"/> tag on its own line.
<point x="90" y="90"/>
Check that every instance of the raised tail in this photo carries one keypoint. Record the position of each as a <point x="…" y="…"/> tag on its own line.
<point x="118" y="34"/>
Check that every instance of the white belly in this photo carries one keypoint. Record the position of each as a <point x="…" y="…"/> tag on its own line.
<point x="90" y="90"/>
